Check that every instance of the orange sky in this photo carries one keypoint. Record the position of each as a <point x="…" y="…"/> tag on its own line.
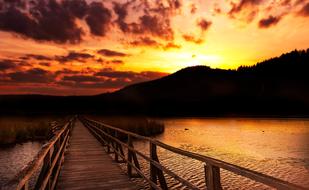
<point x="72" y="47"/>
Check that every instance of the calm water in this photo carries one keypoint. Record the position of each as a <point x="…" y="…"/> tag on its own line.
<point x="279" y="148"/>
<point x="14" y="158"/>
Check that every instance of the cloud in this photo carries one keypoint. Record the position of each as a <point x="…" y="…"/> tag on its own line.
<point x="171" y="45"/>
<point x="66" y="71"/>
<point x="238" y="7"/>
<point x="111" y="53"/>
<point x="154" y="21"/>
<point x="117" y="61"/>
<point x="191" y="38"/>
<point x="7" y="64"/>
<point x="36" y="57"/>
<point x="305" y="10"/>
<point x="81" y="78"/>
<point x="34" y="75"/>
<point x="78" y="8"/>
<point x="74" y="56"/>
<point x="129" y="77"/>
<point x="98" y="19"/>
<point x="245" y="9"/>
<point x="146" y="41"/>
<point x="122" y="12"/>
<point x="154" y="25"/>
<point x="269" y="21"/>
<point x="53" y="20"/>
<point x="204" y="24"/>
<point x="46" y="64"/>
<point x="149" y="42"/>
<point x="108" y="78"/>
<point x="193" y="8"/>
<point x="46" y="21"/>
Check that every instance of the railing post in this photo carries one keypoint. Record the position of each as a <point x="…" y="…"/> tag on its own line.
<point x="44" y="170"/>
<point x="116" y="149"/>
<point x="25" y="186"/>
<point x="129" y="167"/>
<point x="212" y="177"/>
<point x="156" y="173"/>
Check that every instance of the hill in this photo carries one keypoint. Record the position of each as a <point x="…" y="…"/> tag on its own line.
<point x="275" y="87"/>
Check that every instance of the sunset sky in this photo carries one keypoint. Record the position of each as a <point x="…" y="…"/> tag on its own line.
<point x="85" y="47"/>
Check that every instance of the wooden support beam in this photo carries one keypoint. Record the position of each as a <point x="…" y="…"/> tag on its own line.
<point x="212" y="177"/>
<point x="156" y="173"/>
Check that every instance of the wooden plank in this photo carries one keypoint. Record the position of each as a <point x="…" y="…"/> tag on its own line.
<point x="88" y="166"/>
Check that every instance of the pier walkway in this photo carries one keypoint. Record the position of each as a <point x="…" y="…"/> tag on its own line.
<point x="88" y="166"/>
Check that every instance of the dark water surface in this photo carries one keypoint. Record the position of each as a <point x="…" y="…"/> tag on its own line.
<point x="277" y="147"/>
<point x="14" y="158"/>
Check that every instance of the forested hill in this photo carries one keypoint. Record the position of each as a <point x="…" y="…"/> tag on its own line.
<point x="275" y="87"/>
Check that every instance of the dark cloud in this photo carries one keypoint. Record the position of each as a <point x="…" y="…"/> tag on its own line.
<point x="170" y="7"/>
<point x="78" y="8"/>
<point x="46" y="21"/>
<point x="153" y="25"/>
<point x="149" y="42"/>
<point x="130" y="77"/>
<point x="7" y="64"/>
<point x="35" y="75"/>
<point x="53" y="20"/>
<point x="98" y="19"/>
<point x="242" y="4"/>
<point x="46" y="64"/>
<point x="155" y="21"/>
<point x="146" y="41"/>
<point x="204" y="24"/>
<point x="249" y="9"/>
<point x="117" y="61"/>
<point x="74" y="56"/>
<point x="122" y="12"/>
<point x="109" y="79"/>
<point x="81" y="78"/>
<point x="36" y="57"/>
<point x="269" y="21"/>
<point x="305" y="10"/>
<point x="66" y="71"/>
<point x="190" y="38"/>
<point x="111" y="53"/>
<point x="110" y="73"/>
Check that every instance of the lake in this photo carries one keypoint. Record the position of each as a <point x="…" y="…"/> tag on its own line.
<point x="14" y="158"/>
<point x="277" y="147"/>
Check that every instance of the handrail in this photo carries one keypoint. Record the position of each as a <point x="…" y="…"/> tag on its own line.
<point x="48" y="162"/>
<point x="107" y="134"/>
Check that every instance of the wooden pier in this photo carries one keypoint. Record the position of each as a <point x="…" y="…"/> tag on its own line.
<point x="79" y="157"/>
<point x="88" y="166"/>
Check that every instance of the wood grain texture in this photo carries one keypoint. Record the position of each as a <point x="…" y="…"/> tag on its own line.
<point x="88" y="166"/>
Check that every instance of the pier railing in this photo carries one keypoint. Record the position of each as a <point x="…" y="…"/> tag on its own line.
<point x="43" y="171"/>
<point x="109" y="137"/>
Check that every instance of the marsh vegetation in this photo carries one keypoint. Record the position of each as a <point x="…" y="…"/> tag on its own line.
<point x="140" y="125"/>
<point x="16" y="129"/>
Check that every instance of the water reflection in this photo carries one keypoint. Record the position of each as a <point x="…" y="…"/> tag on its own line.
<point x="14" y="158"/>
<point x="279" y="148"/>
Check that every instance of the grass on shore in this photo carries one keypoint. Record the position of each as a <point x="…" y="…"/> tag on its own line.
<point x="140" y="125"/>
<point x="21" y="129"/>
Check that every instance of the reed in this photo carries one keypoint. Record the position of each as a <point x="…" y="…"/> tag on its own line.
<point x="20" y="129"/>
<point x="140" y="125"/>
